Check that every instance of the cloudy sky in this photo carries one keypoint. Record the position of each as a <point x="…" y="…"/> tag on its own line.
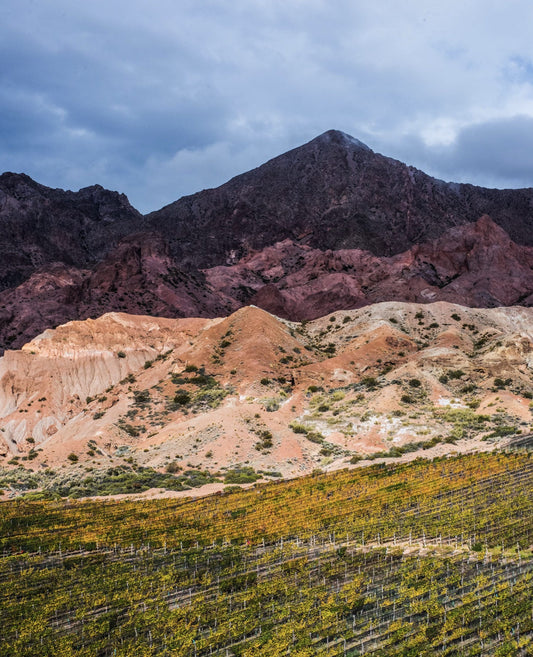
<point x="161" y="98"/>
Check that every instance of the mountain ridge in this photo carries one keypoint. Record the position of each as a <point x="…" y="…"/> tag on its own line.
<point x="73" y="255"/>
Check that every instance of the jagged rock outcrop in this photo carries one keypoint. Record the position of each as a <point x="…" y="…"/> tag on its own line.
<point x="137" y="277"/>
<point x="475" y="264"/>
<point x="40" y="226"/>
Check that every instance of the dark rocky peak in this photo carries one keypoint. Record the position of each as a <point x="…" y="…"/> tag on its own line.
<point x="339" y="138"/>
<point x="40" y="225"/>
<point x="331" y="193"/>
<point x="20" y="186"/>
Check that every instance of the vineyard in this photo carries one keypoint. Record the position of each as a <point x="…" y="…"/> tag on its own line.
<point x="427" y="558"/>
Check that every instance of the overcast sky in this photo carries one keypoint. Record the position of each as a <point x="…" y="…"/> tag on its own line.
<point x="161" y="98"/>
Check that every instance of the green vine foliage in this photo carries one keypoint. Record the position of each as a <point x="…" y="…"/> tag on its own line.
<point x="427" y="558"/>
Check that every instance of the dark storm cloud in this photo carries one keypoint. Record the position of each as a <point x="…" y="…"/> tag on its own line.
<point x="500" y="150"/>
<point x="496" y="153"/>
<point x="162" y="98"/>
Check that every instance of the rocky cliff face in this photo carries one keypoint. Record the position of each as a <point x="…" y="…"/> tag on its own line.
<point x="332" y="193"/>
<point x="138" y="276"/>
<point x="475" y="264"/>
<point x="40" y="226"/>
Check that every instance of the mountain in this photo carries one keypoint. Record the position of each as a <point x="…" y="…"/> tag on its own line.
<point x="476" y="264"/>
<point x="332" y="193"/>
<point x="40" y="226"/>
<point x="391" y="379"/>
<point x="327" y="226"/>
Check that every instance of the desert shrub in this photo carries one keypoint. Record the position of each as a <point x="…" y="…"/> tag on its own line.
<point x="456" y="317"/>
<point x="315" y="437"/>
<point x="265" y="441"/>
<point x="191" y="368"/>
<point x="501" y="383"/>
<point x="211" y="396"/>
<point x="501" y="432"/>
<point x="241" y="475"/>
<point x="141" y="397"/>
<point x="297" y="427"/>
<point x="130" y="430"/>
<point x="415" y="383"/>
<point x="182" y="397"/>
<point x="204" y="381"/>
<point x="73" y="458"/>
<point x="121" y="354"/>
<point x="265" y="381"/>
<point x="271" y="404"/>
<point x="455" y="374"/>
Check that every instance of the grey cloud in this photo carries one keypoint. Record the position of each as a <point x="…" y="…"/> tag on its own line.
<point x="162" y="99"/>
<point x="495" y="153"/>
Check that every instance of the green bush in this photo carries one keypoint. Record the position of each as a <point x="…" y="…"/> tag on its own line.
<point x="297" y="427"/>
<point x="315" y="437"/>
<point x="455" y="374"/>
<point x="242" y="475"/>
<point x="141" y="397"/>
<point x="182" y="397"/>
